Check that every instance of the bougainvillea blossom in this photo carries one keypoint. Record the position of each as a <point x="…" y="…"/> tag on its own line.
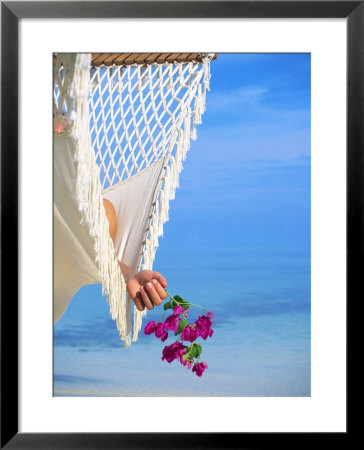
<point x="203" y="324"/>
<point x="178" y="310"/>
<point x="188" y="356"/>
<point x="190" y="333"/>
<point x="171" y="323"/>
<point x="150" y="327"/>
<point x="199" y="368"/>
<point x="160" y="331"/>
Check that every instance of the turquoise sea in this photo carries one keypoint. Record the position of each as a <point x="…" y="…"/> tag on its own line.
<point x="261" y="342"/>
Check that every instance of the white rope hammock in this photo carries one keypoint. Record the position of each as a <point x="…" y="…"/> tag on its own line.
<point x="123" y="134"/>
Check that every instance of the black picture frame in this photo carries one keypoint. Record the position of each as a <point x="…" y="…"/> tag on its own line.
<point x="11" y="12"/>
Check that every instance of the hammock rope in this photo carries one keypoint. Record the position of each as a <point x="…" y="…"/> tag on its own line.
<point x="127" y="124"/>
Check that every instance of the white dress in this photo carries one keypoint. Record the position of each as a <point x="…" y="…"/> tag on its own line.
<point x="74" y="255"/>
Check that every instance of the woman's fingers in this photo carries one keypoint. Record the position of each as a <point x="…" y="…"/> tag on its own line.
<point x="160" y="278"/>
<point x="150" y="290"/>
<point x="145" y="297"/>
<point x="153" y="294"/>
<point x="160" y="291"/>
<point x="139" y="302"/>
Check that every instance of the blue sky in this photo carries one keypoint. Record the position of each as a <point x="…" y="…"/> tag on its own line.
<point x="238" y="242"/>
<point x="252" y="154"/>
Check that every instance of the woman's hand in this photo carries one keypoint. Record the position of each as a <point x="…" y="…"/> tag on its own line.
<point x="146" y="288"/>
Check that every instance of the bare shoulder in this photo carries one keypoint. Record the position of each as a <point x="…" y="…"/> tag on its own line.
<point x="111" y="216"/>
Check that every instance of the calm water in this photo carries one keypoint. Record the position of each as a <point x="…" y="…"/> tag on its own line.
<point x="260" y="347"/>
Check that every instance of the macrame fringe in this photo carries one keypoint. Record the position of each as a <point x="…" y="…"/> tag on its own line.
<point x="88" y="195"/>
<point x="170" y="182"/>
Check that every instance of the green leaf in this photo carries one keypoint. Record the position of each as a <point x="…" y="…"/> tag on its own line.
<point x="195" y="350"/>
<point x="167" y="305"/>
<point x="188" y="349"/>
<point x="182" y="325"/>
<point x="182" y="302"/>
<point x="198" y="350"/>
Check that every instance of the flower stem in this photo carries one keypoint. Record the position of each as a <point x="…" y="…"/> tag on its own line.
<point x="179" y="303"/>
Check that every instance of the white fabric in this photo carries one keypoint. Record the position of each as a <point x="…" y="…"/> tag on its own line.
<point x="132" y="200"/>
<point x="74" y="255"/>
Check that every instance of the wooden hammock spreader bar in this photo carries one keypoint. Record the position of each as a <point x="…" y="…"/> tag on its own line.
<point x="118" y="59"/>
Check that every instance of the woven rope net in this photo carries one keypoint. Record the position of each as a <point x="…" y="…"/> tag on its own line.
<point x="124" y="119"/>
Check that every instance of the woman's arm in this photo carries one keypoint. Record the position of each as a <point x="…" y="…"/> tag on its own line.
<point x="111" y="217"/>
<point x="146" y="288"/>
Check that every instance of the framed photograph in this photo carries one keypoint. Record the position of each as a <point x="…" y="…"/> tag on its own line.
<point x="263" y="235"/>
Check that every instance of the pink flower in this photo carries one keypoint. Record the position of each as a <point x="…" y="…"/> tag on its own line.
<point x="199" y="368"/>
<point x="160" y="331"/>
<point x="171" y="323"/>
<point x="203" y="324"/>
<point x="190" y="333"/>
<point x="172" y="352"/>
<point x="178" y="310"/>
<point x="149" y="327"/>
<point x="210" y="314"/>
<point x="186" y="362"/>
